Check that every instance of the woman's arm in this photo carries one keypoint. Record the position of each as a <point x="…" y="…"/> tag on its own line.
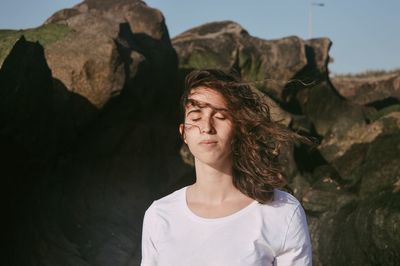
<point x="296" y="249"/>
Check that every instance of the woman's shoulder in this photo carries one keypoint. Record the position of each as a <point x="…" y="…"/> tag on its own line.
<point x="169" y="201"/>
<point x="281" y="212"/>
<point x="284" y="199"/>
<point x="283" y="204"/>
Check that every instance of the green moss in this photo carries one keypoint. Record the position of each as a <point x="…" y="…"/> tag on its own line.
<point x="375" y="116"/>
<point x="200" y="60"/>
<point x="45" y="34"/>
<point x="252" y="69"/>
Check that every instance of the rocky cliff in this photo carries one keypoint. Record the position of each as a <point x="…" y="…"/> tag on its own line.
<point x="88" y="134"/>
<point x="88" y="125"/>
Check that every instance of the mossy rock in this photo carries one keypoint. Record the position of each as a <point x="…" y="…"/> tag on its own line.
<point x="382" y="167"/>
<point x="365" y="235"/>
<point x="199" y="60"/>
<point x="252" y="67"/>
<point x="45" y="34"/>
<point x="376" y="115"/>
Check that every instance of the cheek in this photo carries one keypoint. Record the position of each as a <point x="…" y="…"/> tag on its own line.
<point x="227" y="131"/>
<point x="188" y="136"/>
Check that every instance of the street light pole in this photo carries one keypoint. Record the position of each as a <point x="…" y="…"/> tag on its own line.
<point x="310" y="17"/>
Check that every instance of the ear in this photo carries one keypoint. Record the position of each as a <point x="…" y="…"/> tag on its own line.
<point x="182" y="132"/>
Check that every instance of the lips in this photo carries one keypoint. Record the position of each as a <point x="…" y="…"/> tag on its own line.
<point x="208" y="142"/>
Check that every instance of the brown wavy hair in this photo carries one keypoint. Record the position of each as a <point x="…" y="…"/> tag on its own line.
<point x="257" y="139"/>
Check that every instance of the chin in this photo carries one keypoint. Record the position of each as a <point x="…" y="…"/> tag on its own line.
<point x="213" y="161"/>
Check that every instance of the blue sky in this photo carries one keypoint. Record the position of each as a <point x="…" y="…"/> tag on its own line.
<point x="365" y="33"/>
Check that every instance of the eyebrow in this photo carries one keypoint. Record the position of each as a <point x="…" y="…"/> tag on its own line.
<point x="200" y="105"/>
<point x="193" y="111"/>
<point x="215" y="110"/>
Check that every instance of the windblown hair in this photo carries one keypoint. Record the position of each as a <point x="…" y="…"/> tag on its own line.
<point x="257" y="139"/>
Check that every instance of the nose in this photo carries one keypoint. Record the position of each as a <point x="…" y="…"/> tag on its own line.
<point x="207" y="126"/>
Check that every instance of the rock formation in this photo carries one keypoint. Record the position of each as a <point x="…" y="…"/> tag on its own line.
<point x="269" y="64"/>
<point x="89" y="134"/>
<point x="108" y="41"/>
<point x="372" y="89"/>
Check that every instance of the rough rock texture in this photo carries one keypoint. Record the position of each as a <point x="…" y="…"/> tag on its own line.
<point x="38" y="122"/>
<point x="37" y="113"/>
<point x="270" y="65"/>
<point x="46" y="34"/>
<point x="88" y="128"/>
<point x="355" y="210"/>
<point x="336" y="144"/>
<point x="327" y="110"/>
<point x="109" y="39"/>
<point x="80" y="163"/>
<point x="378" y="90"/>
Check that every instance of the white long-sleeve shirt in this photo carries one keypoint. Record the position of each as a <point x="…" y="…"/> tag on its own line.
<point x="259" y="234"/>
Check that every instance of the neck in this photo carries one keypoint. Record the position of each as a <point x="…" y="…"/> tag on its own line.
<point x="213" y="184"/>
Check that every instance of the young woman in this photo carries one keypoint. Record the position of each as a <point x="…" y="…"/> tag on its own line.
<point x="234" y="214"/>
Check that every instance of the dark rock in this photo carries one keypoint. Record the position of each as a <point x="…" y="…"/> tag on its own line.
<point x="300" y="185"/>
<point x="362" y="216"/>
<point x="326" y="193"/>
<point x="39" y="121"/>
<point x="339" y="141"/>
<point x="382" y="161"/>
<point x="33" y="115"/>
<point x="368" y="150"/>
<point x="327" y="110"/>
<point x="301" y="123"/>
<point x="317" y="52"/>
<point x="373" y="116"/>
<point x="108" y="183"/>
<point x="89" y="174"/>
<point x="366" y="233"/>
<point x="350" y="161"/>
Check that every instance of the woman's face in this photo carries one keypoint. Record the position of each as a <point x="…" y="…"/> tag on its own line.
<point x="208" y="128"/>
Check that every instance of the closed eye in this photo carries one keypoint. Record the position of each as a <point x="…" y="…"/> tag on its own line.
<point x="220" y="116"/>
<point x="194" y="115"/>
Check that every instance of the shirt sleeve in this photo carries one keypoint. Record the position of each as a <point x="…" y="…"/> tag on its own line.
<point x="296" y="249"/>
<point x="149" y="249"/>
